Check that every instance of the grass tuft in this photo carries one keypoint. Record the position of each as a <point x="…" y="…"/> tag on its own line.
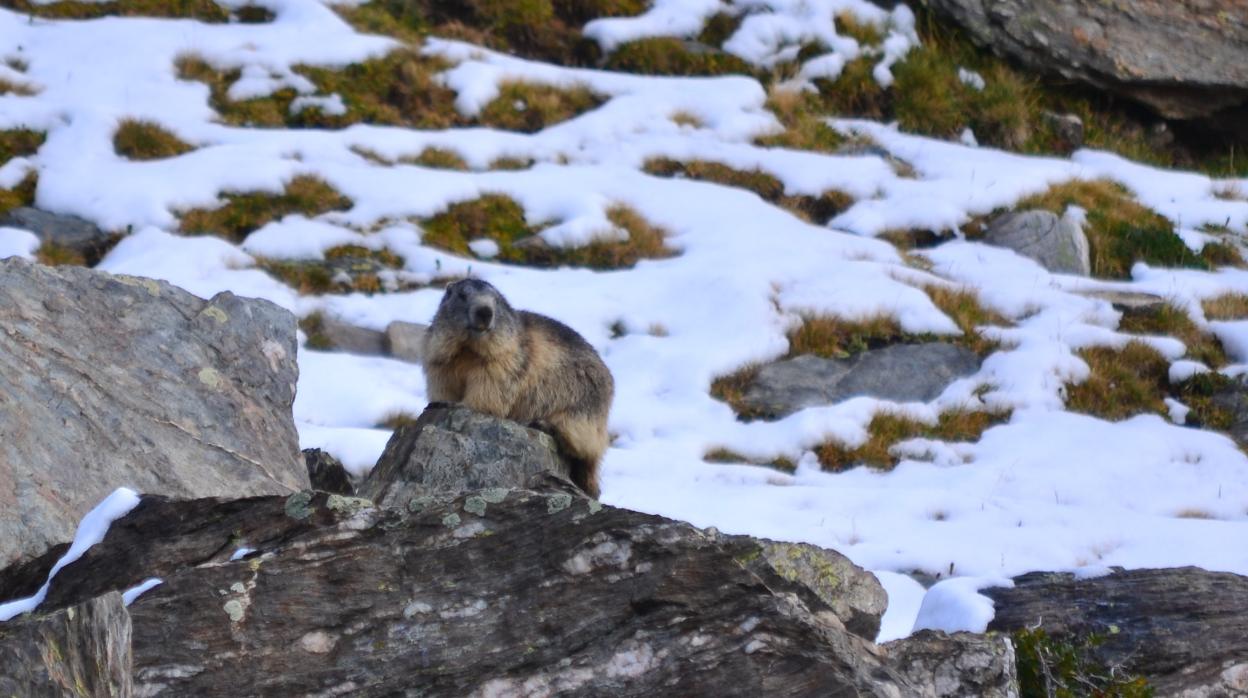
<point x="1123" y="382"/>
<point x="1174" y="322"/>
<point x="671" y="56"/>
<point x="723" y="455"/>
<point x="1230" y="306"/>
<point x="244" y="213"/>
<point x="501" y="219"/>
<point x="1064" y="667"/>
<point x="530" y="108"/>
<point x="146" y="140"/>
<point x="55" y="255"/>
<point x="439" y="158"/>
<point x="816" y="209"/>
<point x="887" y="430"/>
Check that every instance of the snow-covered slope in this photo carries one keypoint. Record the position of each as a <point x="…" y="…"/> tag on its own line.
<point x="1049" y="489"/>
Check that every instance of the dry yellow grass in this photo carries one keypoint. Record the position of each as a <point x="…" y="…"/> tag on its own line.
<point x="887" y="430"/>
<point x="245" y="212"/>
<point x="1230" y="306"/>
<point x="146" y="140"/>
<point x="1123" y="382"/>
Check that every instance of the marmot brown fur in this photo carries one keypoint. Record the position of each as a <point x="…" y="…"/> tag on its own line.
<point x="521" y="366"/>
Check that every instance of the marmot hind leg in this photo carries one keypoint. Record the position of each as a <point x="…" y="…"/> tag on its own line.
<point x="582" y="440"/>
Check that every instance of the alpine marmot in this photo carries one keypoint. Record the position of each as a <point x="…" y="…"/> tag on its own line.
<point x="521" y="366"/>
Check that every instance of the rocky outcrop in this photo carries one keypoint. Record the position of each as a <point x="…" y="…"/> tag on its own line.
<point x="1057" y="244"/>
<point x="113" y="380"/>
<point x="452" y="449"/>
<point x="1184" y="629"/>
<point x="901" y="372"/>
<point x="81" y="650"/>
<point x="500" y="591"/>
<point x="942" y="665"/>
<point x="1185" y="60"/>
<point x="75" y="235"/>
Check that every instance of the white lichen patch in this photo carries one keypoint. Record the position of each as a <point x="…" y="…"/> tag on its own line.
<point x="610" y="553"/>
<point x="318" y="642"/>
<point x="236" y="609"/>
<point x="468" y="610"/>
<point x="470" y="530"/>
<point x="632" y="662"/>
<point x="415" y="608"/>
<point x="475" y="505"/>
<point x="451" y="520"/>
<point x="556" y="503"/>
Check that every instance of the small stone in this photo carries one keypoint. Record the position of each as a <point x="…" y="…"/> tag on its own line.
<point x="1057" y="244"/>
<point x="343" y="336"/>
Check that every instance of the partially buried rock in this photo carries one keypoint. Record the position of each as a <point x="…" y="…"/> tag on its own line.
<point x="109" y="381"/>
<point x="1182" y="629"/>
<point x="452" y="449"/>
<point x="82" y="650"/>
<point x="78" y="236"/>
<point x="329" y="332"/>
<point x="901" y="372"/>
<point x="406" y="340"/>
<point x="1057" y="244"/>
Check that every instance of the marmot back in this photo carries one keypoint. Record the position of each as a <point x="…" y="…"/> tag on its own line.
<point x="520" y="366"/>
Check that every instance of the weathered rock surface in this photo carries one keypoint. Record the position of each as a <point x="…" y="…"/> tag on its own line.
<point x="326" y="473"/>
<point x="1183" y="629"/>
<point x="1056" y="243"/>
<point x="1185" y="60"/>
<point x="1130" y="302"/>
<point x="69" y="232"/>
<point x="942" y="665"/>
<point x="82" y="650"/>
<point x="452" y="449"/>
<point x="406" y="340"/>
<point x="112" y="380"/>
<point x="901" y="372"/>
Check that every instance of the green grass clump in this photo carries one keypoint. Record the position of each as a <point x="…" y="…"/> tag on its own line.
<point x="245" y="212"/>
<point x="1065" y="667"/>
<point x="887" y="430"/>
<point x="1123" y="382"/>
<point x="671" y="56"/>
<point x="1204" y="395"/>
<point x="146" y="140"/>
<point x="439" y="158"/>
<point x="724" y="455"/>
<point x="1120" y="230"/>
<point x="55" y="255"/>
<point x="501" y="219"/>
<point x="202" y="10"/>
<point x="817" y="209"/>
<point x="1171" y="321"/>
<point x="531" y="108"/>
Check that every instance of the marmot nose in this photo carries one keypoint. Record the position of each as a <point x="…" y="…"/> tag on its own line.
<point x="483" y="315"/>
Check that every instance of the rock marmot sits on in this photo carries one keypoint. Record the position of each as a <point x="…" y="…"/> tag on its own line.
<point x="522" y="366"/>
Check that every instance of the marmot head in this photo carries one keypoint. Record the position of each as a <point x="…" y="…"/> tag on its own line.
<point x="474" y="305"/>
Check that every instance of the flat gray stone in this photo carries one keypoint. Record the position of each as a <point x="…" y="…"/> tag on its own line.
<point x="1056" y="243"/>
<point x="901" y="373"/>
<point x="71" y="232"/>
<point x="343" y="336"/>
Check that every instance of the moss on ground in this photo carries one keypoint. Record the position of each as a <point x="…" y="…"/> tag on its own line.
<point x="817" y="209"/>
<point x="531" y="108"/>
<point x="671" y="56"/>
<point x="245" y="212"/>
<point x="438" y="158"/>
<point x="723" y="455"/>
<point x="146" y="140"/>
<point x="501" y="219"/>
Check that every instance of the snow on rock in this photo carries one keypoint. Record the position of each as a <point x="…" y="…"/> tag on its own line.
<point x="15" y="242"/>
<point x="955" y="605"/>
<point x="90" y="531"/>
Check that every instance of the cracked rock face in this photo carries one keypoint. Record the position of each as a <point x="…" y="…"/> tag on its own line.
<point x="109" y="381"/>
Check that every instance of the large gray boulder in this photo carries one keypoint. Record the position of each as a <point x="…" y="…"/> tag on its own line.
<point x="901" y="372"/>
<point x="1056" y="243"/>
<point x="109" y="381"/>
<point x="1185" y="60"/>
<point x="1185" y="629"/>
<point x="80" y="650"/>
<point x="500" y="591"/>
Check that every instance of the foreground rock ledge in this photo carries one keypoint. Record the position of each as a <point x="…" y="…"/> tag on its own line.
<point x="109" y="381"/>
<point x="498" y="591"/>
